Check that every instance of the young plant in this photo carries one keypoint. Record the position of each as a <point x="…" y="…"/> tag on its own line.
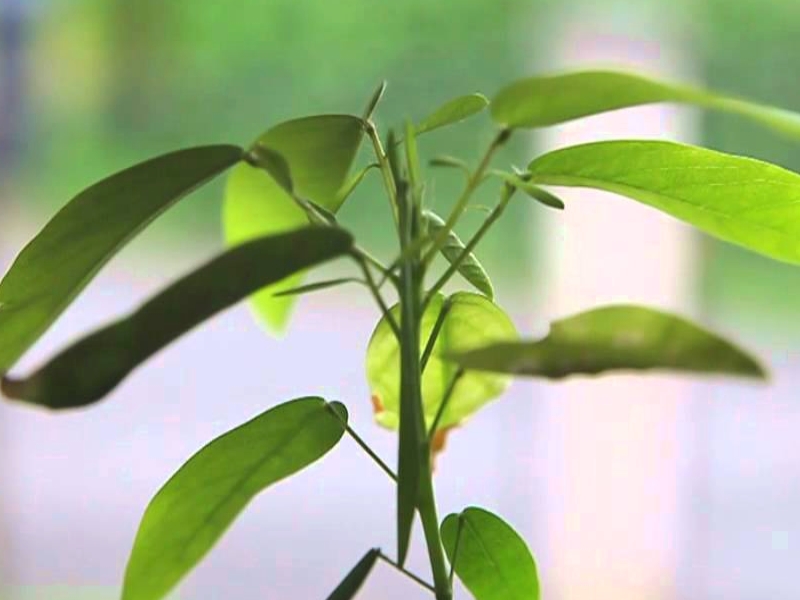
<point x="433" y="359"/>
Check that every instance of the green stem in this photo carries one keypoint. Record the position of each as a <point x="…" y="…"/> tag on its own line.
<point x="376" y="294"/>
<point x="508" y="192"/>
<point x="472" y="183"/>
<point x="386" y="170"/>
<point x="437" y="328"/>
<point x="370" y="452"/>
<point x="455" y="548"/>
<point x="407" y="573"/>
<point x="430" y="527"/>
<point x="445" y="400"/>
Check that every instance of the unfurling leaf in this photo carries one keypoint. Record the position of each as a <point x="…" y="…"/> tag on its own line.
<point x="318" y="152"/>
<point x="553" y="99"/>
<point x="350" y="585"/>
<point x="454" y="111"/>
<point x="521" y="182"/>
<point x="489" y="557"/>
<point x="64" y="257"/>
<point x="198" y="504"/>
<point x="614" y="338"/>
<point x="740" y="200"/>
<point x="472" y="321"/>
<point x="470" y="268"/>
<point x="93" y="366"/>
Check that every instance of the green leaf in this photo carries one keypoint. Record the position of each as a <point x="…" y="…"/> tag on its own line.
<point x="540" y="195"/>
<point x="64" y="257"/>
<point x="374" y="100"/>
<point x="92" y="367"/>
<point x="614" y="338"/>
<point x="492" y="560"/>
<point x="350" y="585"/>
<point x="740" y="200"/>
<point x="318" y="153"/>
<point x="470" y="268"/>
<point x="454" y="111"/>
<point x="198" y="504"/>
<point x="548" y="100"/>
<point x="472" y="321"/>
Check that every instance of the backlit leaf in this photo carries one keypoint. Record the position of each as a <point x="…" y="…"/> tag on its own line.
<point x="472" y="321"/>
<point x="64" y="257"/>
<point x="453" y="111"/>
<point x="740" y="200"/>
<point x="490" y="558"/>
<point x="93" y="366"/>
<point x="552" y="99"/>
<point x="613" y="338"/>
<point x="198" y="504"/>
<point x="318" y="152"/>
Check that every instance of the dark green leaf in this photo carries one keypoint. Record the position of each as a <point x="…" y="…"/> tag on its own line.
<point x="470" y="268"/>
<point x="318" y="153"/>
<point x="492" y="561"/>
<point x="615" y="338"/>
<point x="59" y="262"/>
<point x="472" y="321"/>
<point x="318" y="285"/>
<point x="740" y="200"/>
<point x="449" y="162"/>
<point x="548" y="100"/>
<point x="88" y="370"/>
<point x="350" y="585"/>
<point x="453" y="111"/>
<point x="198" y="504"/>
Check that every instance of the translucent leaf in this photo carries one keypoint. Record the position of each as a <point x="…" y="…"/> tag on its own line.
<point x="740" y="200"/>
<point x="614" y="338"/>
<point x="490" y="558"/>
<point x="66" y="255"/>
<point x="453" y="111"/>
<point x="470" y="268"/>
<point x="548" y="100"/>
<point x="472" y="321"/>
<point x="198" y="504"/>
<point x="93" y="366"/>
<point x="319" y="152"/>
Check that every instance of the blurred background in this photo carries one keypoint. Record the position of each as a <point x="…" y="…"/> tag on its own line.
<point x="626" y="487"/>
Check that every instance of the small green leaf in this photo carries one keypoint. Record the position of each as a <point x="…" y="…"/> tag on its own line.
<point x="318" y="285"/>
<point x="350" y="585"/>
<point x="374" y="100"/>
<point x="472" y="321"/>
<point x="614" y="338"/>
<point x="198" y="504"/>
<point x="449" y="162"/>
<point x="64" y="257"/>
<point x="318" y="152"/>
<point x="521" y="182"/>
<point x="548" y="100"/>
<point x="454" y="111"/>
<point x="740" y="200"/>
<point x="92" y="367"/>
<point x="492" y="561"/>
<point x="470" y="268"/>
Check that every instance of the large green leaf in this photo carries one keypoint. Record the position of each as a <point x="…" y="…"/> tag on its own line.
<point x="471" y="321"/>
<point x="350" y="585"/>
<point x="453" y="111"/>
<point x="197" y="505"/>
<point x="614" y="338"/>
<point x="317" y="153"/>
<point x="92" y="367"/>
<point x="470" y="268"/>
<point x="548" y="100"/>
<point x="740" y="200"/>
<point x="489" y="557"/>
<point x="64" y="257"/>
